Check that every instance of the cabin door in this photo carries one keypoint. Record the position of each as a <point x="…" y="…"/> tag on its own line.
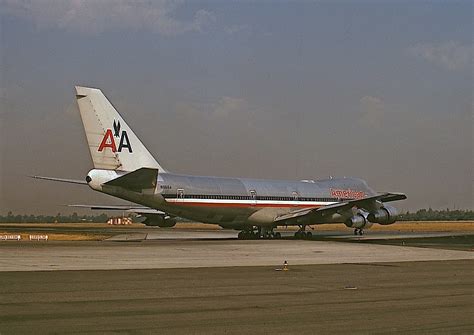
<point x="295" y="197"/>
<point x="253" y="197"/>
<point x="180" y="195"/>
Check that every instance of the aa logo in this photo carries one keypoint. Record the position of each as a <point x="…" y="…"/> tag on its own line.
<point x="109" y="139"/>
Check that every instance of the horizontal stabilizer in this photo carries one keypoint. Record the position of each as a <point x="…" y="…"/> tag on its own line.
<point x="61" y="180"/>
<point x="138" y="180"/>
<point x="110" y="207"/>
<point x="132" y="209"/>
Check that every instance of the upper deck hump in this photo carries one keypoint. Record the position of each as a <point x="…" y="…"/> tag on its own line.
<point x="262" y="187"/>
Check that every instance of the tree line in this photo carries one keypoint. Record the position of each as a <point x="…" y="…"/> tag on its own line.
<point x="420" y="215"/>
<point x="438" y="215"/>
<point x="58" y="218"/>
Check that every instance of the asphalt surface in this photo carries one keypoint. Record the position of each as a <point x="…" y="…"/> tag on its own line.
<point x="185" y="253"/>
<point x="382" y="298"/>
<point x="183" y="281"/>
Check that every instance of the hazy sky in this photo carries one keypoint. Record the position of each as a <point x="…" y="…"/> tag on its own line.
<point x="380" y="90"/>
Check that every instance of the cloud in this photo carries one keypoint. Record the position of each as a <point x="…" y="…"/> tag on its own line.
<point x="222" y="108"/>
<point x="236" y="28"/>
<point x="450" y="55"/>
<point x="95" y="17"/>
<point x="229" y="105"/>
<point x="373" y="111"/>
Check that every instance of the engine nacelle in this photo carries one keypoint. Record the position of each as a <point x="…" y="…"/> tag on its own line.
<point x="159" y="221"/>
<point x="385" y="215"/>
<point x="358" y="221"/>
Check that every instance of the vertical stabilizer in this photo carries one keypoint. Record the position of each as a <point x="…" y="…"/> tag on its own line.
<point x="112" y="144"/>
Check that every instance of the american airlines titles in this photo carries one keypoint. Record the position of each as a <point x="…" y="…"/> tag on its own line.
<point x="347" y="194"/>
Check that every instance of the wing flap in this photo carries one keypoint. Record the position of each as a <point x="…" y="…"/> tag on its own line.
<point x="393" y="197"/>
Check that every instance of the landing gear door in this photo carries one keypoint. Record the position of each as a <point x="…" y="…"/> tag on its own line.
<point x="253" y="197"/>
<point x="180" y="195"/>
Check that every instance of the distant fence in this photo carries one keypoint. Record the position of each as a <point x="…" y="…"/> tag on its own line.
<point x="10" y="237"/>
<point x="119" y="221"/>
<point x="15" y="237"/>
<point x="39" y="237"/>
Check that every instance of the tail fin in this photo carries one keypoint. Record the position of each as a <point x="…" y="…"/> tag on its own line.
<point x="113" y="145"/>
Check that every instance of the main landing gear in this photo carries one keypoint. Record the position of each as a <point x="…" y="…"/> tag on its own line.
<point x="358" y="231"/>
<point x="258" y="233"/>
<point x="302" y="234"/>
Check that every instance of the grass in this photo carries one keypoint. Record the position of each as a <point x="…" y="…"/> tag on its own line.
<point x="60" y="237"/>
<point x="104" y="231"/>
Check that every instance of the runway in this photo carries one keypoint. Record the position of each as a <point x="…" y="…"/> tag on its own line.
<point x="192" y="249"/>
<point x="376" y="298"/>
<point x="181" y="281"/>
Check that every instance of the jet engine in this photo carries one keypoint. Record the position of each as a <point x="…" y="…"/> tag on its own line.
<point x="385" y="215"/>
<point x="359" y="220"/>
<point x="159" y="221"/>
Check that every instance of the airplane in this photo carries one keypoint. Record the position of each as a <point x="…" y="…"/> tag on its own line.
<point x="124" y="168"/>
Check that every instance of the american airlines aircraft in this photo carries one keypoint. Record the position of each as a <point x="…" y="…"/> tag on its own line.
<point x="124" y="168"/>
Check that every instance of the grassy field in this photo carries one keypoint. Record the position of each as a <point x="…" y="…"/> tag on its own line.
<point x="100" y="231"/>
<point x="25" y="236"/>
<point x="402" y="226"/>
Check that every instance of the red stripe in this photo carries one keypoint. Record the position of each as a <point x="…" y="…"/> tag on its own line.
<point x="209" y="204"/>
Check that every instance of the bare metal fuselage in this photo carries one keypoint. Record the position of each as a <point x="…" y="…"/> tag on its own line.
<point x="238" y="202"/>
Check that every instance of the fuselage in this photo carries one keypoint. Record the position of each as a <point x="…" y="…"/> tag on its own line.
<point x="234" y="202"/>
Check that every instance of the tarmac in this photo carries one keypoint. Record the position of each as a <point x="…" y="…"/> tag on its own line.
<point x="190" y="249"/>
<point x="371" y="298"/>
<point x="173" y="281"/>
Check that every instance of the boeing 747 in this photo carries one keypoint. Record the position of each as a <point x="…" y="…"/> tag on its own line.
<point x="124" y="168"/>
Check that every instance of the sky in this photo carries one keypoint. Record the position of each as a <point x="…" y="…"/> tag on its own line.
<point x="381" y="90"/>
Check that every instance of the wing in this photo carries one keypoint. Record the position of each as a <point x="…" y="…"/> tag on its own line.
<point x="364" y="203"/>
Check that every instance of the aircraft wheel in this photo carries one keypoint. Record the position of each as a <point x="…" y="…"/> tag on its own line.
<point x="361" y="232"/>
<point x="300" y="235"/>
<point x="309" y="235"/>
<point x="277" y="235"/>
<point x="356" y="231"/>
<point x="248" y="235"/>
